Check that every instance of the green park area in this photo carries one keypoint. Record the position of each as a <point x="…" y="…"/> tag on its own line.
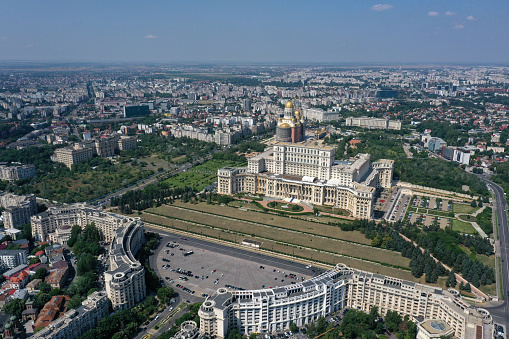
<point x="463" y="227"/>
<point x="199" y="176"/>
<point x="463" y="208"/>
<point x="285" y="207"/>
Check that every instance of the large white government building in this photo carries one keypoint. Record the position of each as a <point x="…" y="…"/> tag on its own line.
<point x="306" y="170"/>
<point x="271" y="310"/>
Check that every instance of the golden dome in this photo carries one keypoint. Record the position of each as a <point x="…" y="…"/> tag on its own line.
<point x="297" y="112"/>
<point x="285" y="125"/>
<point x="289" y="104"/>
<point x="323" y="128"/>
<point x="279" y="118"/>
<point x="293" y="119"/>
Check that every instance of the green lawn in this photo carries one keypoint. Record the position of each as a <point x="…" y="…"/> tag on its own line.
<point x="200" y="176"/>
<point x="463" y="227"/>
<point x="463" y="208"/>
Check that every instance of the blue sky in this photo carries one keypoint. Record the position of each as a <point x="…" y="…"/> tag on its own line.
<point x="355" y="31"/>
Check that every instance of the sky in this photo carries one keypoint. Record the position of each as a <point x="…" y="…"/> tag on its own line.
<point x="256" y="31"/>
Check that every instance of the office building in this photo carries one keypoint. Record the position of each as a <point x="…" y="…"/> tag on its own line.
<point x="270" y="310"/>
<point x="16" y="172"/>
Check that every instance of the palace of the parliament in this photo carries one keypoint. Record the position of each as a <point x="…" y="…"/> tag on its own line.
<point x="303" y="169"/>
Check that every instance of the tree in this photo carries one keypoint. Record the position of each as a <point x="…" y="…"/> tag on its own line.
<point x="165" y="294"/>
<point x="86" y="263"/>
<point x="41" y="299"/>
<point x="33" y="261"/>
<point x="473" y="203"/>
<point x="15" y="307"/>
<point x="39" y="274"/>
<point x="44" y="287"/>
<point x="75" y="302"/>
<point x="293" y="327"/>
<point x="234" y="334"/>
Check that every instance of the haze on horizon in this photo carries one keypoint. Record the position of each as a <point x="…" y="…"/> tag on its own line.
<point x="396" y="31"/>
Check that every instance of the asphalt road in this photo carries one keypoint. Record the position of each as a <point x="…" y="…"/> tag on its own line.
<point x="500" y="313"/>
<point x="183" y="296"/>
<point x="260" y="258"/>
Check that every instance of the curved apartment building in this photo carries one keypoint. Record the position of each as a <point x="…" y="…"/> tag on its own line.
<point x="271" y="310"/>
<point x="125" y="279"/>
<point x="47" y="222"/>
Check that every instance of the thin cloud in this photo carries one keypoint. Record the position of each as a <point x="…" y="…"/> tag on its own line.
<point x="459" y="26"/>
<point x="449" y="13"/>
<point x="150" y="36"/>
<point x="381" y="7"/>
<point x="433" y="14"/>
<point x="471" y="18"/>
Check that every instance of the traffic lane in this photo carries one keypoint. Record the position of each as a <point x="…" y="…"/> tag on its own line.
<point x="244" y="254"/>
<point x="501" y="313"/>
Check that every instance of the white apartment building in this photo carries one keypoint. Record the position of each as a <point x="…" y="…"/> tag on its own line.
<point x="18" y="209"/>
<point x="125" y="279"/>
<point x="373" y="123"/>
<point x="47" y="222"/>
<point x="317" y="114"/>
<point x="76" y="322"/>
<point x="73" y="155"/>
<point x="16" y="172"/>
<point x="125" y="143"/>
<point x="270" y="310"/>
<point x="306" y="171"/>
<point x="13" y="258"/>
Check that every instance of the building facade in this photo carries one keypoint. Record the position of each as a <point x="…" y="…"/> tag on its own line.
<point x="76" y="322"/>
<point x="271" y="310"/>
<point x="125" y="279"/>
<point x="18" y="209"/>
<point x="16" y="172"/>
<point x="73" y="155"/>
<point x="56" y="220"/>
<point x="306" y="171"/>
<point x="126" y="143"/>
<point x="13" y="258"/>
<point x="317" y="114"/>
<point x="373" y="123"/>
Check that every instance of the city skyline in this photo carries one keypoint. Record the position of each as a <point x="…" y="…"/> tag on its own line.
<point x="369" y="32"/>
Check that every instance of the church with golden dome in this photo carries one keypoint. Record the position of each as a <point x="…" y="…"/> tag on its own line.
<point x="290" y="126"/>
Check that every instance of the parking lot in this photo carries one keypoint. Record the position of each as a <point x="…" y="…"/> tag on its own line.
<point x="200" y="270"/>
